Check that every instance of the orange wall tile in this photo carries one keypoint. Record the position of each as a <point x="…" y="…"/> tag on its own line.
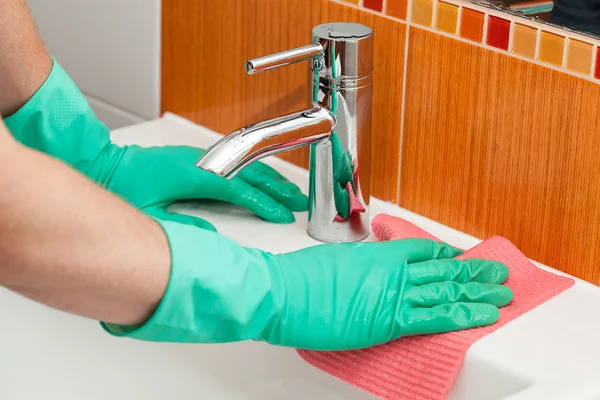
<point x="203" y="77"/>
<point x="579" y="56"/>
<point x="552" y="48"/>
<point x="397" y="8"/>
<point x="471" y="25"/>
<point x="447" y="17"/>
<point x="422" y="12"/>
<point x="494" y="145"/>
<point x="524" y="41"/>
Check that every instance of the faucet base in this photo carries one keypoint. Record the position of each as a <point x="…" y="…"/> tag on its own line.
<point x="335" y="214"/>
<point x="337" y="239"/>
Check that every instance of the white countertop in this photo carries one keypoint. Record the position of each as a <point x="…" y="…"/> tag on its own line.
<point x="551" y="352"/>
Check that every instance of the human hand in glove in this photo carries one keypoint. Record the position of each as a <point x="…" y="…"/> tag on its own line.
<point x="58" y="121"/>
<point x="327" y="297"/>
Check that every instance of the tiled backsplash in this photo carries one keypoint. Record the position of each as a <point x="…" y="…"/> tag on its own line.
<point x="520" y="37"/>
<point x="485" y="122"/>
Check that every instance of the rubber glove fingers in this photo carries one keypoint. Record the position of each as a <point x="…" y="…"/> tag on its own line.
<point x="272" y="189"/>
<point x="411" y="250"/>
<point x="448" y="295"/>
<point x="358" y="295"/>
<point x="161" y="214"/>
<point x="240" y="193"/>
<point x="440" y="293"/>
<point x="449" y="281"/>
<point x="447" y="318"/>
<point x="325" y="297"/>
<point x="461" y="271"/>
<point x="271" y="182"/>
<point x="58" y="121"/>
<point x="166" y="174"/>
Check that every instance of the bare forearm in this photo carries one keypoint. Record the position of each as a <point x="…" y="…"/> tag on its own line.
<point x="71" y="245"/>
<point x="24" y="61"/>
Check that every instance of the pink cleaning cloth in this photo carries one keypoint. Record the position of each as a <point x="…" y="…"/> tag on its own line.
<point x="424" y="367"/>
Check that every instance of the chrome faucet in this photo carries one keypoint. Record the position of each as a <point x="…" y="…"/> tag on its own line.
<point x="338" y="128"/>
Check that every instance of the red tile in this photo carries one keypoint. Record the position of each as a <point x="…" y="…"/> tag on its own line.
<point x="597" y="74"/>
<point x="498" y="32"/>
<point x="376" y="5"/>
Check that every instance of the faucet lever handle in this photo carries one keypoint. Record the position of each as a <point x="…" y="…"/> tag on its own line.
<point x="266" y="63"/>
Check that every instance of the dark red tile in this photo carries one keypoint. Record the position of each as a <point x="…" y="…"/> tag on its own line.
<point x="376" y="5"/>
<point x="498" y="32"/>
<point x="597" y="72"/>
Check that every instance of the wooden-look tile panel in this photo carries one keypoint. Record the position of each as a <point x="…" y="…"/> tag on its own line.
<point x="204" y="47"/>
<point x="494" y="145"/>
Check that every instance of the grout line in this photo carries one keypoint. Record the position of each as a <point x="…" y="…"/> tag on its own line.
<point x="403" y="102"/>
<point x="434" y="13"/>
<point x="511" y="36"/>
<point x="384" y="6"/>
<point x="565" y="51"/>
<point x="594" y="60"/>
<point x="486" y="19"/>
<point x="459" y="19"/>
<point x="538" y="44"/>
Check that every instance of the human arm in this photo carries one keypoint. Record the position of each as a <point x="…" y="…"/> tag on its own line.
<point x="69" y="244"/>
<point x="102" y="260"/>
<point x="24" y="60"/>
<point x="47" y="112"/>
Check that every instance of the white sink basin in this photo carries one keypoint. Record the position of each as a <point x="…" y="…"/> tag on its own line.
<point x="552" y="352"/>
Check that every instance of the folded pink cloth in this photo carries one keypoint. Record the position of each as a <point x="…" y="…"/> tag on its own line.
<point x="424" y="367"/>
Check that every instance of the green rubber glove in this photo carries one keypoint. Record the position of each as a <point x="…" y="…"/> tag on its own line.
<point x="327" y="297"/>
<point x="153" y="178"/>
<point x="58" y="121"/>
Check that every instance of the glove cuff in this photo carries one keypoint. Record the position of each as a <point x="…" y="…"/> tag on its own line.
<point x="57" y="120"/>
<point x="218" y="292"/>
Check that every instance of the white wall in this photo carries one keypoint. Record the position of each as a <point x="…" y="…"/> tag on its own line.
<point x="111" y="49"/>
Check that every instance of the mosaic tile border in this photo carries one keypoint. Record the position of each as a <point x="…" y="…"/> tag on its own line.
<point x="509" y="33"/>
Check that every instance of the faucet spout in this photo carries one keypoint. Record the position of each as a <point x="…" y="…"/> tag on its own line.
<point x="235" y="151"/>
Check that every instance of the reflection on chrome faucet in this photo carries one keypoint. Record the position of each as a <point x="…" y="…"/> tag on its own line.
<point x="338" y="128"/>
<point x="345" y="175"/>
